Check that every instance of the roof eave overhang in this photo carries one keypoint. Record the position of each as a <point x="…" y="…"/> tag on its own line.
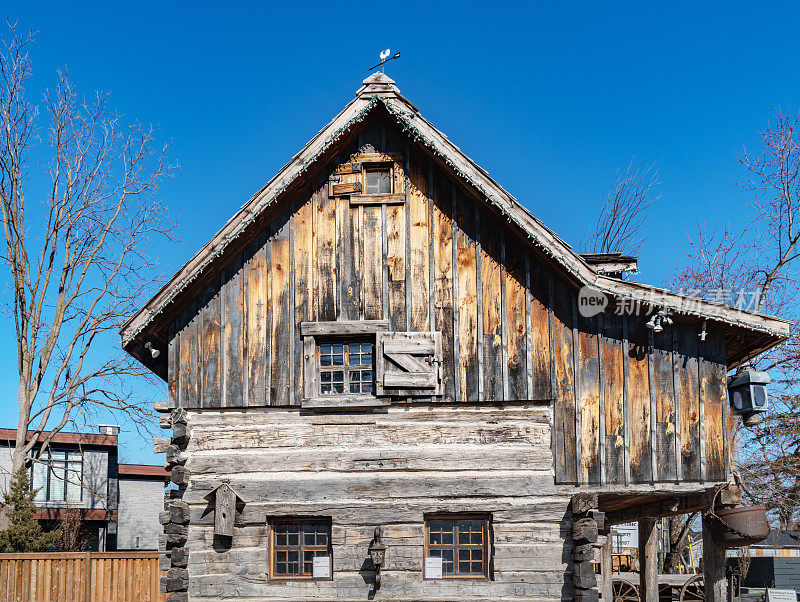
<point x="154" y="319"/>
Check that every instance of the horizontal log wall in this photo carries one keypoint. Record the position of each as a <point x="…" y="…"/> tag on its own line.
<point x="387" y="470"/>
<point x="630" y="406"/>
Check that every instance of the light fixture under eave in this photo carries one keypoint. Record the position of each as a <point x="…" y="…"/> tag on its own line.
<point x="154" y="353"/>
<point x="658" y="320"/>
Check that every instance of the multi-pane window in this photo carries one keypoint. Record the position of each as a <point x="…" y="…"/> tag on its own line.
<point x="379" y="181"/>
<point x="294" y="545"/>
<point x="57" y="476"/>
<point x="462" y="544"/>
<point x="345" y="368"/>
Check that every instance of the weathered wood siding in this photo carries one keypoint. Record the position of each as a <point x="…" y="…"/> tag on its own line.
<point x="629" y="406"/>
<point x="386" y="469"/>
<point x="326" y="259"/>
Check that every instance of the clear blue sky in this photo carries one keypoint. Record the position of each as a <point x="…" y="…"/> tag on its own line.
<point x="550" y="98"/>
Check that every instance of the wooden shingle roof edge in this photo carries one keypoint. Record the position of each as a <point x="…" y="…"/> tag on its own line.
<point x="380" y="89"/>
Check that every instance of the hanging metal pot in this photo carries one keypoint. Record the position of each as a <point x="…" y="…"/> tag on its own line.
<point x="740" y="526"/>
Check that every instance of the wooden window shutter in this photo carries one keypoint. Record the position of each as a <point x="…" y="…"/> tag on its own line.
<point x="346" y="188"/>
<point x="408" y="363"/>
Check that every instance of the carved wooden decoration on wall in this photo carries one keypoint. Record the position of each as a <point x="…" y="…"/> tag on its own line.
<point x="225" y="501"/>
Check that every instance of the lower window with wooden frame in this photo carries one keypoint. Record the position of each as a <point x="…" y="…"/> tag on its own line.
<point x="300" y="548"/>
<point x="457" y="546"/>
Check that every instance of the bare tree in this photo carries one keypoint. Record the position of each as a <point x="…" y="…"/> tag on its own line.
<point x="757" y="267"/>
<point x="626" y="207"/>
<point x="77" y="257"/>
<point x="678" y="528"/>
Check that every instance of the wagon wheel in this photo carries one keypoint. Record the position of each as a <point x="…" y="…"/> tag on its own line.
<point x="694" y="589"/>
<point x="624" y="591"/>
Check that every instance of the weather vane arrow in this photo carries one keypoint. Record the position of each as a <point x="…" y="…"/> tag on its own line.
<point x="385" y="58"/>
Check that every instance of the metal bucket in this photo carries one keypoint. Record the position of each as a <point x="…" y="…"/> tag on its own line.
<point x="740" y="526"/>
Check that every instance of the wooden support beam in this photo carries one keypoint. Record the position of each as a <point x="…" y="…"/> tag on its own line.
<point x="163" y="407"/>
<point x="674" y="505"/>
<point x="605" y="570"/>
<point x="648" y="560"/>
<point x="716" y="584"/>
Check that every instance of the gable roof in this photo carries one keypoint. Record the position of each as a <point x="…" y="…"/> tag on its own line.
<point x="380" y="90"/>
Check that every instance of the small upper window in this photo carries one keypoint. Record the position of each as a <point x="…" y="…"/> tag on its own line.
<point x="345" y="368"/>
<point x="461" y="542"/>
<point x="379" y="181"/>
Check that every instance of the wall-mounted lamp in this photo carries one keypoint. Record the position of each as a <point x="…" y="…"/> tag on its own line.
<point x="377" y="553"/>
<point x="154" y="353"/>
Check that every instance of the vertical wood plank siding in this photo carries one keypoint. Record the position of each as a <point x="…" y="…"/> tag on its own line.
<point x="613" y="374"/>
<point x="687" y="367"/>
<point x="491" y="291"/>
<point x="712" y="370"/>
<point x="665" y="404"/>
<point x="589" y="399"/>
<point x="516" y="357"/>
<point x="443" y="278"/>
<point x="564" y="377"/>
<point x="467" y="299"/>
<point x="510" y="331"/>
<point x="62" y="577"/>
<point x="639" y="403"/>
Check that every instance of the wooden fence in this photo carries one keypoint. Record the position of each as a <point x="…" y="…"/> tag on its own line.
<point x="62" y="577"/>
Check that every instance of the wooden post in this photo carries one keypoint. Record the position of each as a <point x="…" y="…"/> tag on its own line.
<point x="716" y="583"/>
<point x="87" y="581"/>
<point x="605" y="570"/>
<point x="648" y="560"/>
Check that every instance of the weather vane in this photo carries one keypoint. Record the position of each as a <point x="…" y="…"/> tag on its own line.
<point x="384" y="58"/>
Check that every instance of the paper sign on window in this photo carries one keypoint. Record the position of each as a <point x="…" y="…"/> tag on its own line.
<point x="433" y="568"/>
<point x="322" y="567"/>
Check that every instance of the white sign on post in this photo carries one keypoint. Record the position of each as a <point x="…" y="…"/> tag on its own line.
<point x="781" y="595"/>
<point x="627" y="536"/>
<point x="433" y="568"/>
<point x="322" y="567"/>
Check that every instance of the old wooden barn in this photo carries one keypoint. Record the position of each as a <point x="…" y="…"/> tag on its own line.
<point x="382" y="337"/>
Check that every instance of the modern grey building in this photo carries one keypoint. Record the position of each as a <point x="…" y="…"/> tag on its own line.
<point x="119" y="503"/>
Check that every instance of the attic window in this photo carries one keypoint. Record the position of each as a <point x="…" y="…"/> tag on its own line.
<point x="379" y="180"/>
<point x="339" y="364"/>
<point x="345" y="368"/>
